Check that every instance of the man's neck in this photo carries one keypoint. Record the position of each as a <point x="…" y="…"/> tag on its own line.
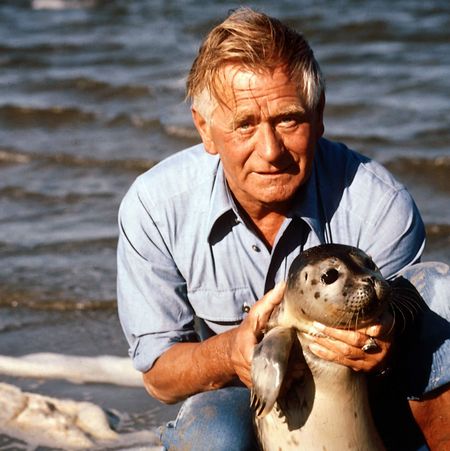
<point x="266" y="223"/>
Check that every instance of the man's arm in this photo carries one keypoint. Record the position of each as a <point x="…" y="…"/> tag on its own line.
<point x="189" y="368"/>
<point x="432" y="415"/>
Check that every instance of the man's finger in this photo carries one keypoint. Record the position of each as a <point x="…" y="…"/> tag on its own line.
<point x="351" y="337"/>
<point x="384" y="328"/>
<point x="327" y="354"/>
<point x="274" y="296"/>
<point x="264" y="307"/>
<point x="340" y="348"/>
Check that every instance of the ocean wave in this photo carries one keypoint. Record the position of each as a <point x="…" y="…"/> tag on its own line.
<point x="57" y="46"/>
<point x="9" y="156"/>
<point x="64" y="4"/>
<point x="361" y="28"/>
<point x="19" y="56"/>
<point x="441" y="162"/>
<point x="134" y="120"/>
<point x="433" y="137"/>
<point x="33" y="298"/>
<point x="59" y="247"/>
<point x="49" y="117"/>
<point x="432" y="171"/>
<point x="12" y="156"/>
<point x="63" y="117"/>
<point x="438" y="231"/>
<point x="19" y="193"/>
<point x="181" y="131"/>
<point x="345" y="109"/>
<point x="13" y="60"/>
<point x="79" y="369"/>
<point x="98" y="88"/>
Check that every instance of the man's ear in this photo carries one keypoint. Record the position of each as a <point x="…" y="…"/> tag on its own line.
<point x="320" y="127"/>
<point x="204" y="129"/>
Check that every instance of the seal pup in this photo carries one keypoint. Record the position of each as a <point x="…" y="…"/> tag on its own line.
<point x="328" y="407"/>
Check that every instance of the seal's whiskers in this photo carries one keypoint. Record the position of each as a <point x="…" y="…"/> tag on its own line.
<point x="404" y="301"/>
<point x="395" y="313"/>
<point x="410" y="302"/>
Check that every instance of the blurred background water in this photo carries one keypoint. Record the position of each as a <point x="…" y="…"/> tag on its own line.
<point x="92" y="94"/>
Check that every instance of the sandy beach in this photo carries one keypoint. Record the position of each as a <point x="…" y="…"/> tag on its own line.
<point x="128" y="408"/>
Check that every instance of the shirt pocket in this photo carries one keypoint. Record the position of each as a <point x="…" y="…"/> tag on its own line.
<point x="221" y="306"/>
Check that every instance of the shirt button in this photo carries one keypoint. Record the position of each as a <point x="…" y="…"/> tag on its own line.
<point x="245" y="308"/>
<point x="256" y="248"/>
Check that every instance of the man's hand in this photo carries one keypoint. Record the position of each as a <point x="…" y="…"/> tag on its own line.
<point x="346" y="346"/>
<point x="249" y="332"/>
<point x="189" y="368"/>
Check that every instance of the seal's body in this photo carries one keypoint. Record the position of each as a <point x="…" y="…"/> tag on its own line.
<point x="327" y="408"/>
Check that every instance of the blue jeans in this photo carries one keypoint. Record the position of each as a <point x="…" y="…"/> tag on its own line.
<point x="212" y="421"/>
<point x="221" y="420"/>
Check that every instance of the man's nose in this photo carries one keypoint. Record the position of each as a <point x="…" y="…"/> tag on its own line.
<point x="269" y="145"/>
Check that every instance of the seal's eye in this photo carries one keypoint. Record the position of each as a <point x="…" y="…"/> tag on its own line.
<point x="330" y="276"/>
<point x="370" y="264"/>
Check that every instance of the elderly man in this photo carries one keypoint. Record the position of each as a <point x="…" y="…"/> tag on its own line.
<point x="207" y="236"/>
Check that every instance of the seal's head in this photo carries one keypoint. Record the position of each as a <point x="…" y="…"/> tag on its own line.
<point x="337" y="285"/>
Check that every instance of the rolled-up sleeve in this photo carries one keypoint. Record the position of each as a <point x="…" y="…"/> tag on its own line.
<point x="151" y="293"/>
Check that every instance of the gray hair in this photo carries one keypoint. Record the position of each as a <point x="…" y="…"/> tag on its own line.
<point x="256" y="43"/>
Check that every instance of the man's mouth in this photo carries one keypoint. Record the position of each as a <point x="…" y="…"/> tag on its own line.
<point x="273" y="172"/>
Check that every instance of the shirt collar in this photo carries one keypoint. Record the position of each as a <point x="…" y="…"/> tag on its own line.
<point x="221" y="202"/>
<point x="307" y="205"/>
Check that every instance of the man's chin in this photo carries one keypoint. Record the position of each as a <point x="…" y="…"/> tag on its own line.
<point x="277" y="201"/>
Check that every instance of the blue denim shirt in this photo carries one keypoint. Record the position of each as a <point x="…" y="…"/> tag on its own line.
<point x="184" y="251"/>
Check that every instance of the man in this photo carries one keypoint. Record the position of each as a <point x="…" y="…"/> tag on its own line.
<point x="207" y="236"/>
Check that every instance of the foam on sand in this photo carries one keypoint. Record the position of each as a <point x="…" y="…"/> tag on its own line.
<point x="64" y="423"/>
<point x="46" y="421"/>
<point x="79" y="369"/>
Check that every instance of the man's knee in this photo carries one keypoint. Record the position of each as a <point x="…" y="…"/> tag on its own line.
<point x="427" y="358"/>
<point x="219" y="420"/>
<point x="432" y="281"/>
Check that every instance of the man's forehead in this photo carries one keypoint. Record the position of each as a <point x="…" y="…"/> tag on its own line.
<point x="237" y="87"/>
<point x="239" y="78"/>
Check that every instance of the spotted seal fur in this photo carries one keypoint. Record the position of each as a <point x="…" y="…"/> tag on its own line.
<point x="328" y="407"/>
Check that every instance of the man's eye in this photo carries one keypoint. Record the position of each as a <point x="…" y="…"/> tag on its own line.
<point x="288" y="121"/>
<point x="245" y="127"/>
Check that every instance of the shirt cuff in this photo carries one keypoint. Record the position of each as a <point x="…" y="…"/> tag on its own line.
<point x="148" y="348"/>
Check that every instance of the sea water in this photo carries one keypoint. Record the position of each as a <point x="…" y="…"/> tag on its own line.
<point x="92" y="94"/>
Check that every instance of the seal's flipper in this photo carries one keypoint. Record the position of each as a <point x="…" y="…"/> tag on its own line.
<point x="269" y="364"/>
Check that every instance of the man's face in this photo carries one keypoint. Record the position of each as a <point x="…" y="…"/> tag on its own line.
<point x="264" y="136"/>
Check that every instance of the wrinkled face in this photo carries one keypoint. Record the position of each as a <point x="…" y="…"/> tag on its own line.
<point x="264" y="136"/>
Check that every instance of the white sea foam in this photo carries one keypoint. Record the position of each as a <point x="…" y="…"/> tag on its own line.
<point x="45" y="421"/>
<point x="62" y="4"/>
<point x="79" y="369"/>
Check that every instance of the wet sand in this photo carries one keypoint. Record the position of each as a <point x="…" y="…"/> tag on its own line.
<point x="130" y="409"/>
